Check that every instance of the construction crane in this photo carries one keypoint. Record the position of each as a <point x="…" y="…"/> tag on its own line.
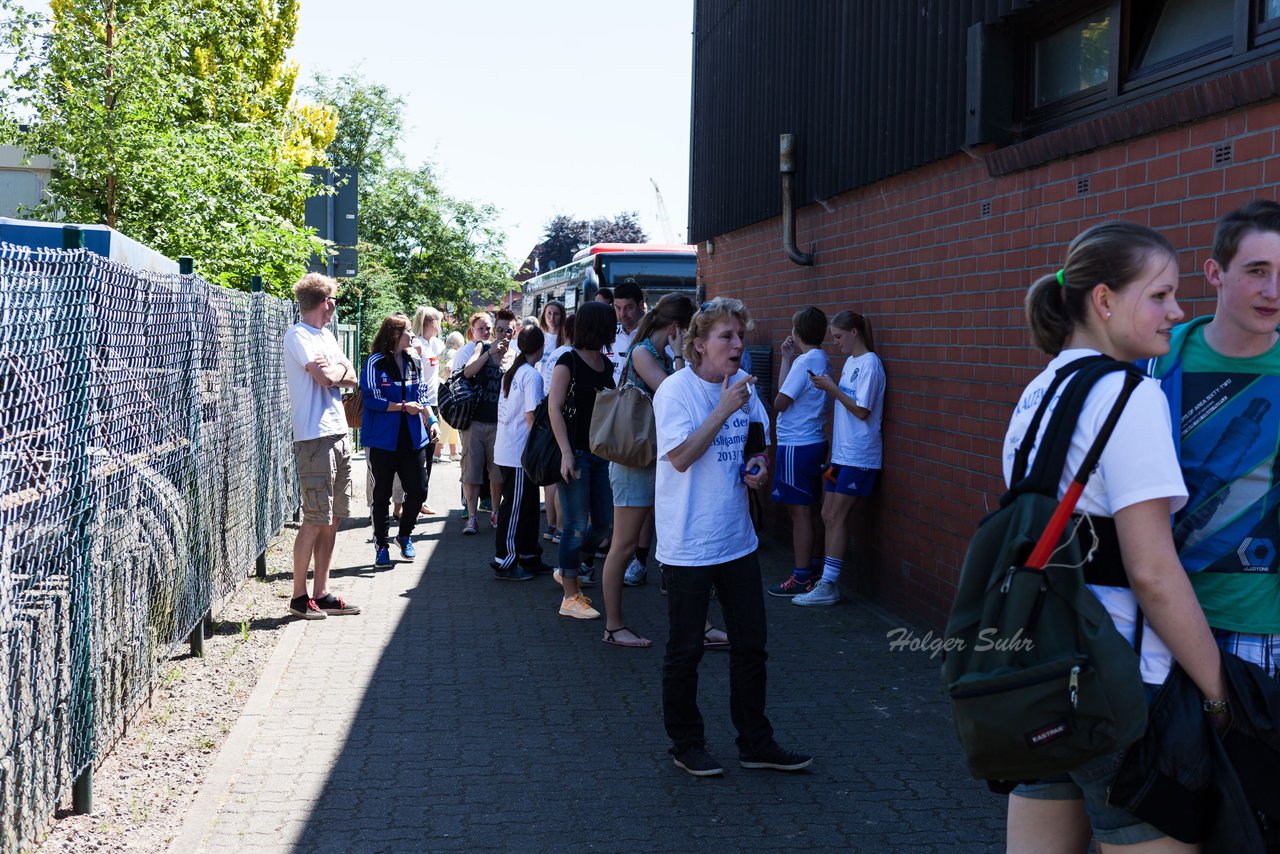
<point x="663" y="220"/>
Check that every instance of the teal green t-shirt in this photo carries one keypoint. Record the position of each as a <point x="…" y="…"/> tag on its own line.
<point x="1228" y="534"/>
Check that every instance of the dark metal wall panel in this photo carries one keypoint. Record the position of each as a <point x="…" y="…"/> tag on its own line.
<point x="872" y="88"/>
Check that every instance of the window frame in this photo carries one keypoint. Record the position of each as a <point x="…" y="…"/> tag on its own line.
<point x="1250" y="35"/>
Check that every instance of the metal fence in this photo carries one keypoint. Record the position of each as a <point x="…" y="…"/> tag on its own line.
<point x="145" y="462"/>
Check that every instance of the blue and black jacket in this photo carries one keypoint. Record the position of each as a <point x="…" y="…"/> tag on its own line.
<point x="380" y="385"/>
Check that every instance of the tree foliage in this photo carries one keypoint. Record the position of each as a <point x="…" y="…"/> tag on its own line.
<point x="565" y="235"/>
<point x="173" y="122"/>
<point x="418" y="245"/>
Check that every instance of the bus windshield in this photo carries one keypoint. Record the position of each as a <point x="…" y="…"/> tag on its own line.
<point x="661" y="274"/>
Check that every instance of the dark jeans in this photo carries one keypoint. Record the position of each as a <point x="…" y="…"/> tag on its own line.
<point x="738" y="588"/>
<point x="587" y="497"/>
<point x="413" y="465"/>
<point x="516" y="536"/>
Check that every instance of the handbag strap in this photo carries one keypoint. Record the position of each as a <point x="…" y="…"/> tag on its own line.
<point x="1057" y="523"/>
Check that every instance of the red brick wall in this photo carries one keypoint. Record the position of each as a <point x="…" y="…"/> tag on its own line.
<point x="943" y="286"/>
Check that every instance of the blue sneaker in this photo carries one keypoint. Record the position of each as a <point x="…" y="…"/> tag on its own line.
<point x="407" y="551"/>
<point x="382" y="557"/>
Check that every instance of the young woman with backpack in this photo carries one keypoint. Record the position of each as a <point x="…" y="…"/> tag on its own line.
<point x="1115" y="296"/>
<point x="518" y="554"/>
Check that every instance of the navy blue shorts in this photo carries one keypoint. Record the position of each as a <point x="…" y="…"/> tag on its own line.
<point x="850" y="480"/>
<point x="797" y="475"/>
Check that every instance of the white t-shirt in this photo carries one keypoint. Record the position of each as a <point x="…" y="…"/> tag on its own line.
<point x="805" y="418"/>
<point x="701" y="514"/>
<point x="1138" y="464"/>
<point x="549" y="365"/>
<point x="855" y="442"/>
<point x="617" y="352"/>
<point x="317" y="411"/>
<point x="513" y="429"/>
<point x="430" y="364"/>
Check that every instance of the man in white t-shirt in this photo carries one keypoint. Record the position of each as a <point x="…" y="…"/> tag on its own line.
<point x="316" y="369"/>
<point x="628" y="303"/>
<point x="802" y="410"/>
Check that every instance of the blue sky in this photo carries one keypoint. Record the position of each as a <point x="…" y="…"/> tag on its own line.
<point x="539" y="108"/>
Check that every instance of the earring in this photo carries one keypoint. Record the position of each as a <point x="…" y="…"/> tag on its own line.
<point x="1107" y="315"/>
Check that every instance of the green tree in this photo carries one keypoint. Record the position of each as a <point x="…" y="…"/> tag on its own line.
<point x="565" y="235"/>
<point x="418" y="246"/>
<point x="186" y="144"/>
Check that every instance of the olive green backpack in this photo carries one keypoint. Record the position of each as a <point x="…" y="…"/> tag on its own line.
<point x="1040" y="680"/>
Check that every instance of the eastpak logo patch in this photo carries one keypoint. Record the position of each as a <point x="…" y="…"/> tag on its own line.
<point x="1049" y="733"/>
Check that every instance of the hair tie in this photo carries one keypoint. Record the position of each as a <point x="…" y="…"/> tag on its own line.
<point x="1062" y="283"/>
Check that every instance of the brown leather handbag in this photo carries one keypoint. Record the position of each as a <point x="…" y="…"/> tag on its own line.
<point x="622" y="426"/>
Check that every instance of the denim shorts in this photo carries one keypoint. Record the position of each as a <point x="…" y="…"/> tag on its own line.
<point x="1090" y="782"/>
<point x="632" y="487"/>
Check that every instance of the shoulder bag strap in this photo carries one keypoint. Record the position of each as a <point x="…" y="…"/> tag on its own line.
<point x="1033" y="429"/>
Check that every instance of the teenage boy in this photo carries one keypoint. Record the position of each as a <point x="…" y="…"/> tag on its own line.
<point x="628" y="304"/>
<point x="1222" y="378"/>
<point x="802" y="409"/>
<point x="316" y="369"/>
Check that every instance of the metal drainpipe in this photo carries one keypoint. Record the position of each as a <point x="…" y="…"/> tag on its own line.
<point x="787" y="167"/>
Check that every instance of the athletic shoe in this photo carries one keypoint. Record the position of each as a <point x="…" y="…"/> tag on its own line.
<point x="556" y="538"/>
<point x="776" y="758"/>
<point x="586" y="576"/>
<point x="485" y="506"/>
<point x="578" y="607"/>
<point x="698" y="761"/>
<point x="515" y="573"/>
<point x="305" y="607"/>
<point x="537" y="566"/>
<point x="493" y="520"/>
<point x="335" y="607"/>
<point x="550" y="533"/>
<point x="792" y="587"/>
<point x="382" y="557"/>
<point x="471" y="527"/>
<point x="407" y="551"/>
<point x="823" y="593"/>
<point x="636" y="574"/>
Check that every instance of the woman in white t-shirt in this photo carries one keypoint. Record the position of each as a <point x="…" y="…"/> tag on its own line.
<point x="855" y="445"/>
<point x="1115" y="296"/>
<point x="705" y="537"/>
<point x="518" y="554"/>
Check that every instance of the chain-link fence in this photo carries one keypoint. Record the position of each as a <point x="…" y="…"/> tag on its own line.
<point x="145" y="462"/>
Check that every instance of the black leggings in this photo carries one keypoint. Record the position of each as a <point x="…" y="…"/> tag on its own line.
<point x="413" y="465"/>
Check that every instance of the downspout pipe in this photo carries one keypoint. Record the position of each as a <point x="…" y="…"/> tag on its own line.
<point x="787" y="168"/>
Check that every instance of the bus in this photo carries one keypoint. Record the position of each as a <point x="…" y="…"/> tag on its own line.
<point x="658" y="268"/>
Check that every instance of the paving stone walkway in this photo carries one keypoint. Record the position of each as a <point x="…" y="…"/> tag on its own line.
<point x="460" y="713"/>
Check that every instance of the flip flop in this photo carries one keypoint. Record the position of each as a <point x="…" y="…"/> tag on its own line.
<point x="639" y="643"/>
<point x="709" y="644"/>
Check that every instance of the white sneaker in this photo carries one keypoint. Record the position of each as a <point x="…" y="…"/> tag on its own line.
<point x="636" y="574"/>
<point x="823" y="593"/>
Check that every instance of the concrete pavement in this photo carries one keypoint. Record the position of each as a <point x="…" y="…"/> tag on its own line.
<point x="460" y="713"/>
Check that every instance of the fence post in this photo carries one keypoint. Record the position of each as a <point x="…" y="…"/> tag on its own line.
<point x="186" y="265"/>
<point x="203" y="626"/>
<point x="260" y="567"/>
<point x="82" y="786"/>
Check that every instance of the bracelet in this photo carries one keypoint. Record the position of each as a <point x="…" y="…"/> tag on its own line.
<point x="431" y="421"/>
<point x="1217" y="707"/>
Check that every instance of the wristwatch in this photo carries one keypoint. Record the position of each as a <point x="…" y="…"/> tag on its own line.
<point x="1217" y="707"/>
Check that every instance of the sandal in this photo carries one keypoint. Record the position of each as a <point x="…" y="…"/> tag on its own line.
<point x="638" y="643"/>
<point x="708" y="643"/>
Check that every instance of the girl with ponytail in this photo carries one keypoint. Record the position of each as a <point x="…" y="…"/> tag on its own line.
<point x="517" y="552"/>
<point x="1115" y="296"/>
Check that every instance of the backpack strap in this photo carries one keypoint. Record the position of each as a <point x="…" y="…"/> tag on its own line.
<point x="1033" y="429"/>
<point x="1046" y="472"/>
<point x="1053" y="530"/>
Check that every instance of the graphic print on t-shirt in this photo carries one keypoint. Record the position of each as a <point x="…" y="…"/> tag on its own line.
<point x="1229" y="426"/>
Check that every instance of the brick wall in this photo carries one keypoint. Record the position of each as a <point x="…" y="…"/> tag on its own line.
<point x="939" y="259"/>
